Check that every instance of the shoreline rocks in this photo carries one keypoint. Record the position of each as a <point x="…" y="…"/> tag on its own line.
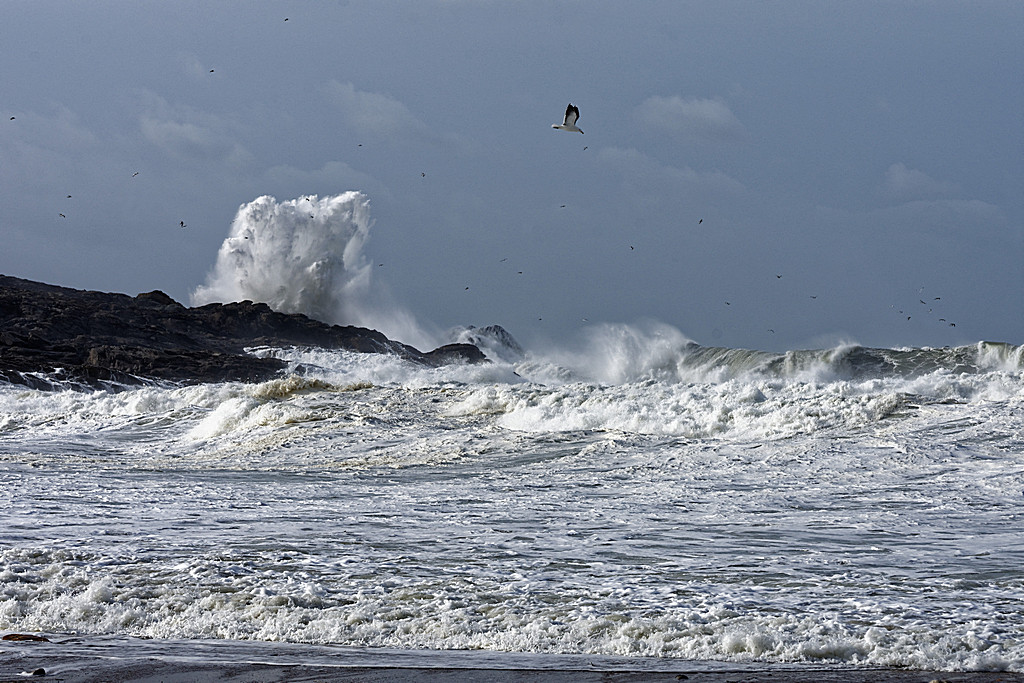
<point x="53" y="336"/>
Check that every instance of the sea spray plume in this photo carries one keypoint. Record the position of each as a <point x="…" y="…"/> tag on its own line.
<point x="617" y="353"/>
<point x="305" y="256"/>
<point x="300" y="256"/>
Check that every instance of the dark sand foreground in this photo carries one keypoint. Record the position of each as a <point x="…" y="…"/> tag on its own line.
<point x="82" y="659"/>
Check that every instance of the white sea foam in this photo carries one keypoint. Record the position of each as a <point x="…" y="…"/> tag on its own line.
<point x="227" y="595"/>
<point x="628" y="379"/>
<point x="735" y="410"/>
<point x="638" y="495"/>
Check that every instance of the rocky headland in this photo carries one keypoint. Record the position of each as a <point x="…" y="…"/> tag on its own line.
<point x="54" y="336"/>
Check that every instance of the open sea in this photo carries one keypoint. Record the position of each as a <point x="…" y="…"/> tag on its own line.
<point x="637" y="496"/>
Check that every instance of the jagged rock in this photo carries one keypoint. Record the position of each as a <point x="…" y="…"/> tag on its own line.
<point x="494" y="340"/>
<point x="30" y="637"/>
<point x="53" y="335"/>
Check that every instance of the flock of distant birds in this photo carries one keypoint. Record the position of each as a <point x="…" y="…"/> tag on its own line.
<point x="572" y="115"/>
<point x="902" y="313"/>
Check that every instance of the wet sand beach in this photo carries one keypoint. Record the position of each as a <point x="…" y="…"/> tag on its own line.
<point x="85" y="659"/>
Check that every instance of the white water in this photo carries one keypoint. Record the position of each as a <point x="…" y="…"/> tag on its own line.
<point x="377" y="503"/>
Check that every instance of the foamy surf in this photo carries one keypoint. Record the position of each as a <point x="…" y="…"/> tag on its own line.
<point x="846" y="506"/>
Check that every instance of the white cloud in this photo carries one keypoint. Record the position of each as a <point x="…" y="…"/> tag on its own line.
<point x="699" y="119"/>
<point x="42" y="144"/>
<point x="907" y="183"/>
<point x="194" y="67"/>
<point x="186" y="133"/>
<point x="373" y="113"/>
<point x="332" y="177"/>
<point x="645" y="174"/>
<point x="174" y="135"/>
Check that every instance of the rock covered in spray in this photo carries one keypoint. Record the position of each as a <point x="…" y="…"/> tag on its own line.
<point x="494" y="340"/>
<point x="54" y="336"/>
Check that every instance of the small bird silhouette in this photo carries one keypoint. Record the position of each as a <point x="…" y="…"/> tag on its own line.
<point x="182" y="223"/>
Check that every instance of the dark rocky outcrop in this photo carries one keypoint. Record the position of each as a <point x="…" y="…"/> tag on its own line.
<point x="25" y="637"/>
<point x="56" y="335"/>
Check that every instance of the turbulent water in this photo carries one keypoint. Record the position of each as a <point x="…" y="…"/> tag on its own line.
<point x="642" y="496"/>
<point x="635" y="495"/>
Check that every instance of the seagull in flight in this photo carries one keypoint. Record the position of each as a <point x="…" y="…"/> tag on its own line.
<point x="569" y="124"/>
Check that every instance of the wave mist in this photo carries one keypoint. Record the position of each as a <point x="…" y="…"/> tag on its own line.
<point x="305" y="255"/>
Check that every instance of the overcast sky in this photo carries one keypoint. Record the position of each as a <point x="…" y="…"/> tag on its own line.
<point x="767" y="175"/>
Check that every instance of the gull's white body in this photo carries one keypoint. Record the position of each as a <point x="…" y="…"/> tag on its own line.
<point x="569" y="124"/>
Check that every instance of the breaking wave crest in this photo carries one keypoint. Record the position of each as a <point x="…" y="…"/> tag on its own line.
<point x="653" y="380"/>
<point x="617" y="354"/>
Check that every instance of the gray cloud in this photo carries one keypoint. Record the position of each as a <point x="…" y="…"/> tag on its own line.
<point x="700" y="119"/>
<point x="186" y="133"/>
<point x="372" y="113"/>
<point x="643" y="171"/>
<point x="332" y="177"/>
<point x="907" y="183"/>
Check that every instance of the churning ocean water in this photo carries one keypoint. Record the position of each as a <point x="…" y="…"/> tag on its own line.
<point x="639" y="496"/>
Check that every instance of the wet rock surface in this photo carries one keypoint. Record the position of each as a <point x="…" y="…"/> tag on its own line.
<point x="52" y="336"/>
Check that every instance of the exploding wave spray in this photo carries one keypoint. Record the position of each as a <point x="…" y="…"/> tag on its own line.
<point x="305" y="256"/>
